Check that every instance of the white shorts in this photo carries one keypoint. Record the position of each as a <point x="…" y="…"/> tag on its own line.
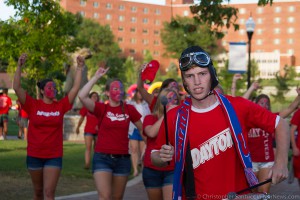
<point x="256" y="166"/>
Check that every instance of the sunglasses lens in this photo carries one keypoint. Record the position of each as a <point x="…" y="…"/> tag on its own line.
<point x="184" y="62"/>
<point x="202" y="59"/>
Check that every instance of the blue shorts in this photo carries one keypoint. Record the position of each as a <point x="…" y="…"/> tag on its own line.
<point x="157" y="179"/>
<point x="118" y="165"/>
<point x="135" y="135"/>
<point x="90" y="134"/>
<point x="34" y="163"/>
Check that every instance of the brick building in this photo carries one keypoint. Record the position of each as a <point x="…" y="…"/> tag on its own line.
<point x="136" y="25"/>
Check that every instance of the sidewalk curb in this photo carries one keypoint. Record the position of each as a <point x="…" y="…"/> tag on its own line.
<point x="130" y="183"/>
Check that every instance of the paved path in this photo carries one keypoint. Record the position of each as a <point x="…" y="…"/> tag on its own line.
<point x="135" y="191"/>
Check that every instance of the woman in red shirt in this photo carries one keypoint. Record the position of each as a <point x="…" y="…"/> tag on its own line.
<point x="90" y="129"/>
<point x="45" y="131"/>
<point x="111" y="160"/>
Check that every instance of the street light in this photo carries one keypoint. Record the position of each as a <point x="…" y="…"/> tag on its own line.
<point x="250" y="26"/>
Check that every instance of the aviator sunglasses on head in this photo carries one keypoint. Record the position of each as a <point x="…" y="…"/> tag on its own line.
<point x="199" y="58"/>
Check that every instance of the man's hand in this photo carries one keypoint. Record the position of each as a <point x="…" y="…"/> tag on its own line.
<point x="22" y="60"/>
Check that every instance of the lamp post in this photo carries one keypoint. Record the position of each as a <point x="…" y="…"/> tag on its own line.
<point x="250" y="25"/>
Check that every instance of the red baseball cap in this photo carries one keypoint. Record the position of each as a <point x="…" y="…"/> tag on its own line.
<point x="150" y="71"/>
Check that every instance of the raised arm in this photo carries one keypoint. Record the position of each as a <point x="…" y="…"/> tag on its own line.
<point x="254" y="86"/>
<point x="292" y="107"/>
<point x="20" y="92"/>
<point x="84" y="92"/>
<point x="140" y="86"/>
<point x="77" y="80"/>
<point x="279" y="171"/>
<point x="233" y="84"/>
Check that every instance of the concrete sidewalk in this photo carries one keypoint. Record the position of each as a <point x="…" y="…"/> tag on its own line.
<point x="135" y="190"/>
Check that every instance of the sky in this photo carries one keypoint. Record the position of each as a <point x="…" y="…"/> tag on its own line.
<point x="6" y="12"/>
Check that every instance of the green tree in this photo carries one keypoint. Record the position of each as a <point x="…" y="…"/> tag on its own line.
<point x="183" y="32"/>
<point x="217" y="15"/>
<point x="42" y="30"/>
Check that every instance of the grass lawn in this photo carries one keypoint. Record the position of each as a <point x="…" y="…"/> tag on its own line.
<point x="15" y="182"/>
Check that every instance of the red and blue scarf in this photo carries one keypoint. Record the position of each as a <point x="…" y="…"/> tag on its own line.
<point x="181" y="141"/>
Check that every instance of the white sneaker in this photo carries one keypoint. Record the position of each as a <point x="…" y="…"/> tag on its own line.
<point x="1" y="137"/>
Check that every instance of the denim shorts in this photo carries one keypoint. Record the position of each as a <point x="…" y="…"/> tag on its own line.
<point x="118" y="165"/>
<point x="256" y="166"/>
<point x="34" y="163"/>
<point x="90" y="134"/>
<point x="157" y="179"/>
<point x="135" y="135"/>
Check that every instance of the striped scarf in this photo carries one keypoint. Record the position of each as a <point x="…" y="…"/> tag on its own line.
<point x="181" y="140"/>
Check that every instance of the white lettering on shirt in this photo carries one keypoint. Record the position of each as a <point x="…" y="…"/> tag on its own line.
<point x="211" y="148"/>
<point x="48" y="114"/>
<point x="116" y="117"/>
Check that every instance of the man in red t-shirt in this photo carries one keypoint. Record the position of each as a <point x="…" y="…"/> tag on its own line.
<point x="5" y="105"/>
<point x="208" y="136"/>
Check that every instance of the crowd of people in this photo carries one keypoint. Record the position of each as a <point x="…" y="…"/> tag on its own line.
<point x="201" y="144"/>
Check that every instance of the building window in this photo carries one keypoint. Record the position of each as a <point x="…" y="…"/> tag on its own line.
<point x="259" y="42"/>
<point x="242" y="10"/>
<point x="276" y="41"/>
<point x="290" y="41"/>
<point x="186" y="13"/>
<point x="108" y="6"/>
<point x="95" y="4"/>
<point x="277" y="20"/>
<point x="132" y="30"/>
<point x="291" y="8"/>
<point x="224" y="43"/>
<point x="290" y="51"/>
<point x="133" y="20"/>
<point x="276" y="51"/>
<point x="82" y="3"/>
<point x="291" y="19"/>
<point x="259" y="31"/>
<point x="132" y="40"/>
<point x="156" y="42"/>
<point x="121" y="18"/>
<point x="145" y="20"/>
<point x="121" y="7"/>
<point x="145" y="51"/>
<point x="242" y="21"/>
<point x="157" y="11"/>
<point x="120" y="39"/>
<point x="260" y="10"/>
<point x="82" y="13"/>
<point x="133" y="9"/>
<point x="145" y="41"/>
<point x="120" y="28"/>
<point x="145" y="10"/>
<point x="277" y="9"/>
<point x="291" y="30"/>
<point x="259" y="21"/>
<point x="96" y="15"/>
<point x="242" y="31"/>
<point x="157" y="22"/>
<point x="276" y="30"/>
<point x="132" y="51"/>
<point x="145" y="31"/>
<point x="156" y="32"/>
<point x="108" y="17"/>
<point x="156" y="53"/>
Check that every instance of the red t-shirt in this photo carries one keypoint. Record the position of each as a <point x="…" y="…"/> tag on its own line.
<point x="5" y="104"/>
<point x="260" y="145"/>
<point x="296" y="121"/>
<point x="217" y="167"/>
<point x="45" y="130"/>
<point x="148" y="121"/>
<point x="113" y="128"/>
<point x="91" y="125"/>
<point x="22" y="112"/>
